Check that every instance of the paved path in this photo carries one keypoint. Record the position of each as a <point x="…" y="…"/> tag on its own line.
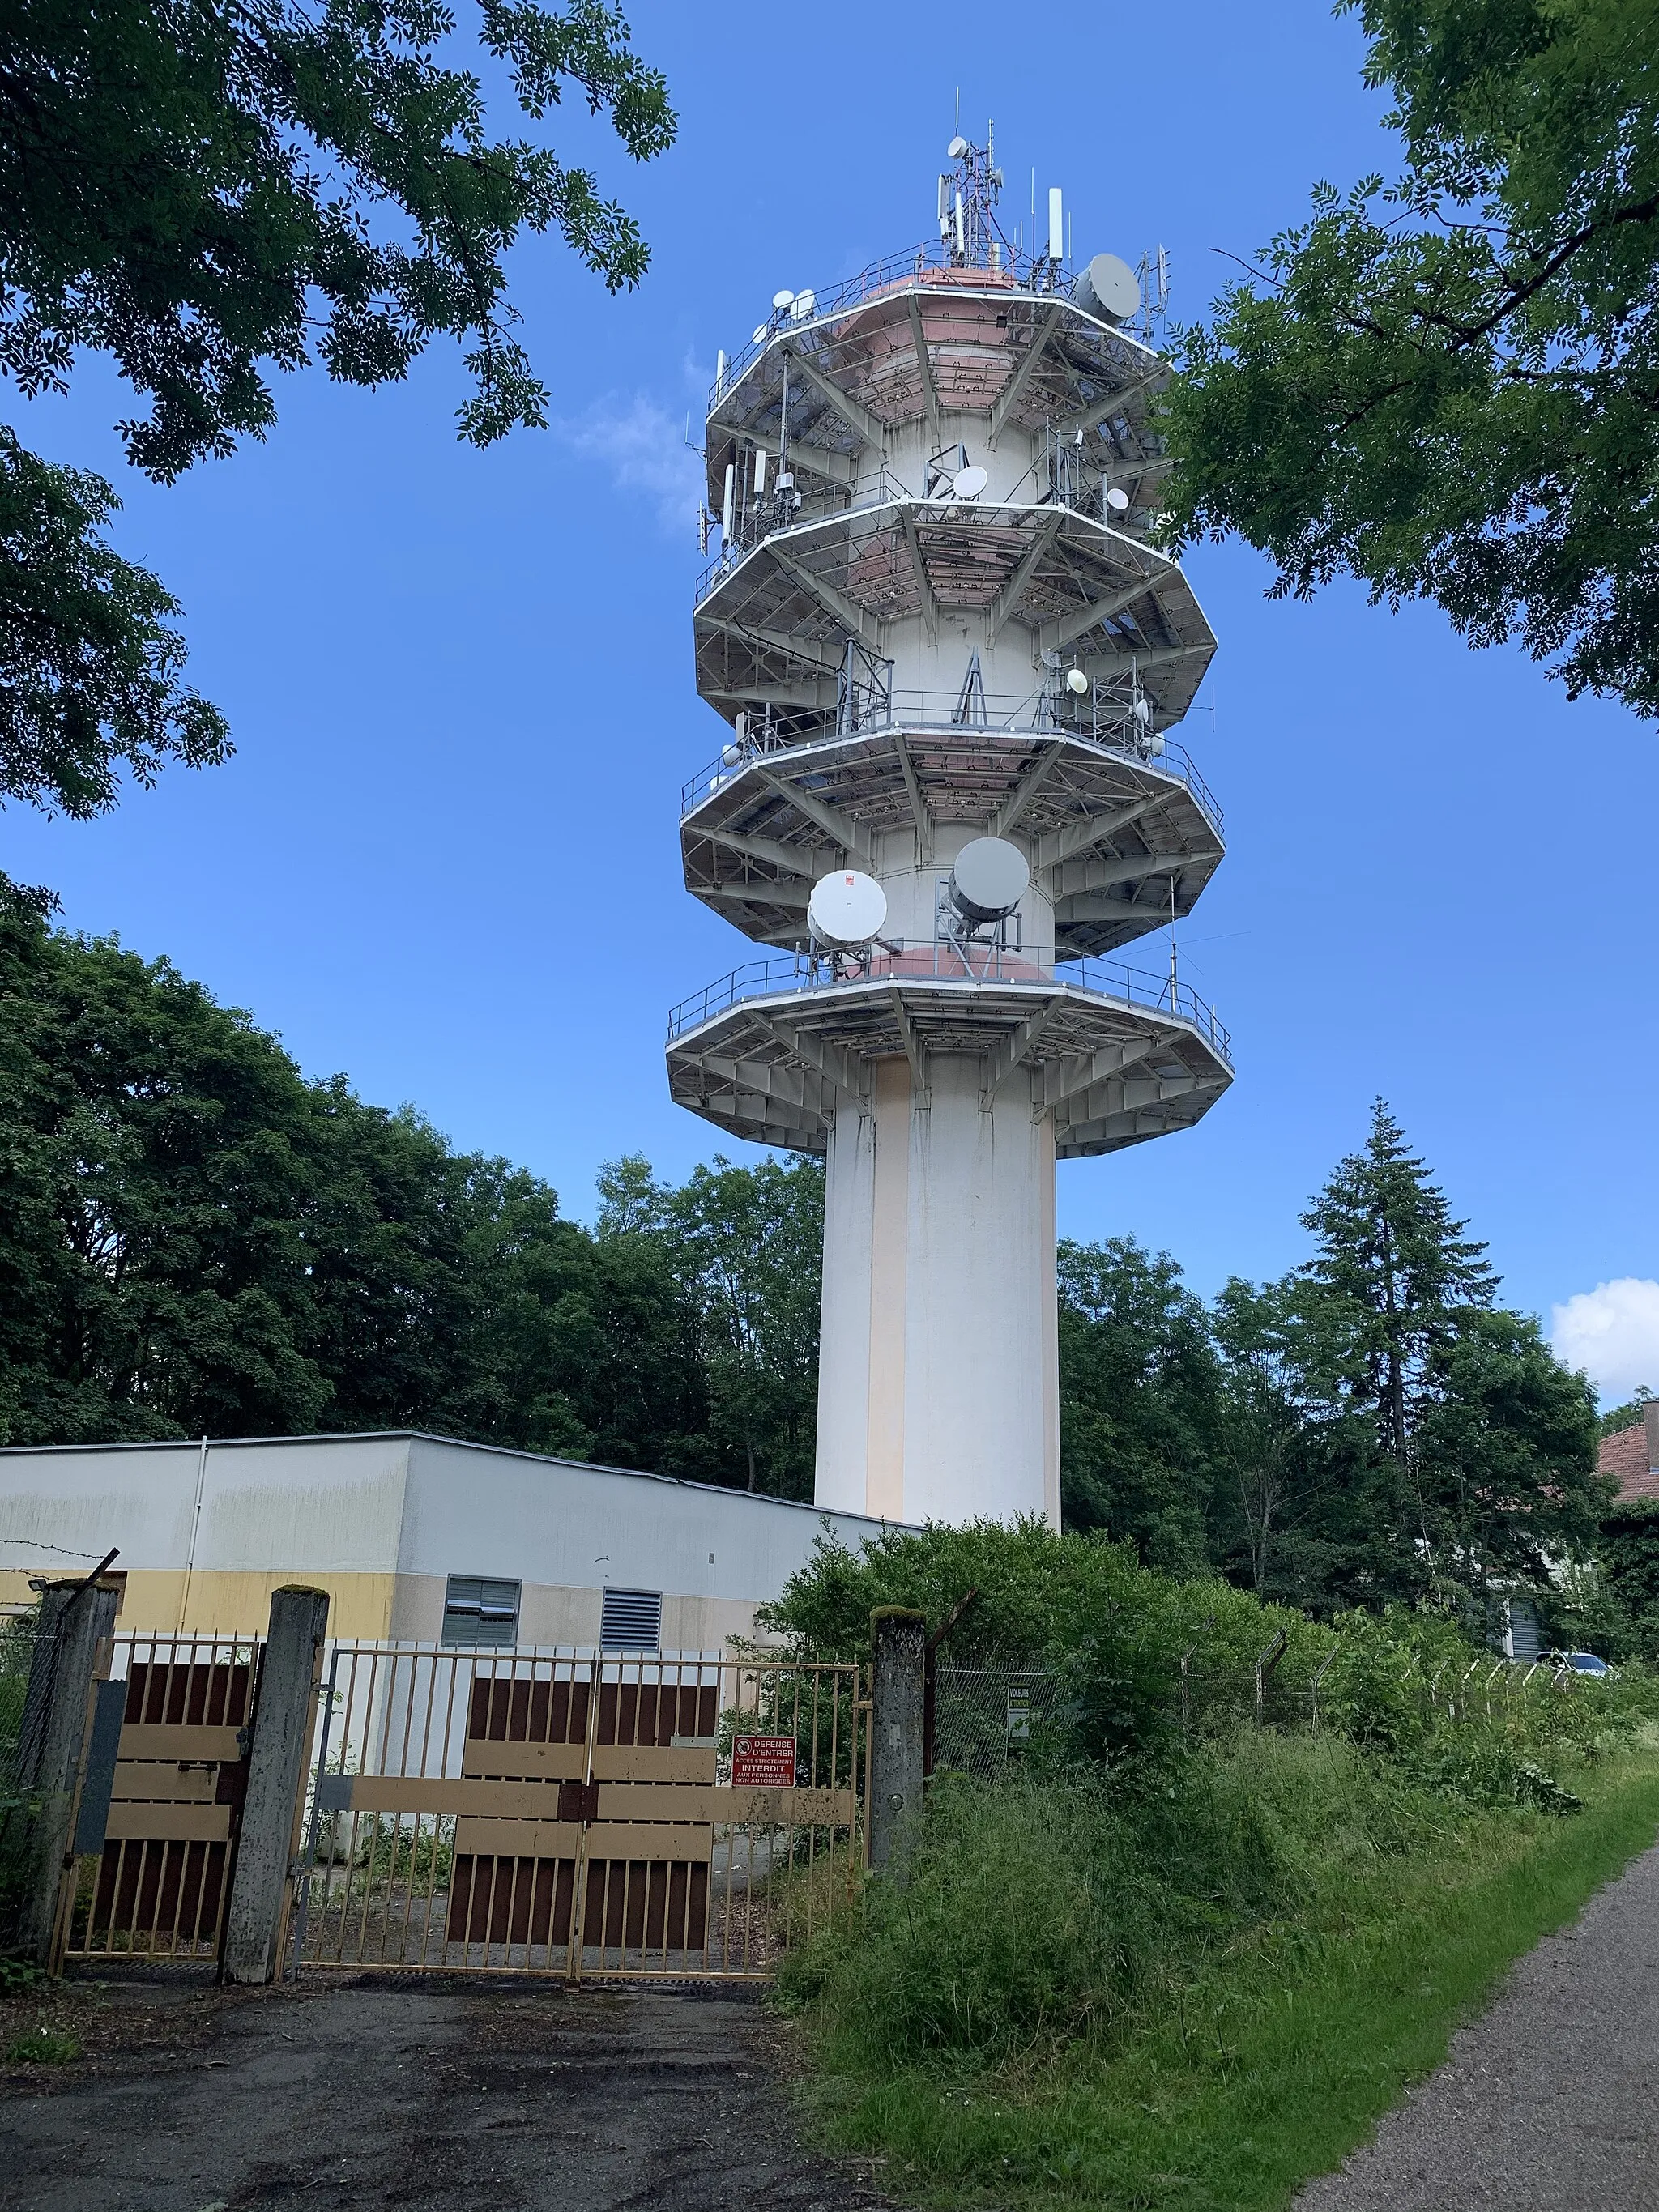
<point x="413" y="2098"/>
<point x="1548" y="2103"/>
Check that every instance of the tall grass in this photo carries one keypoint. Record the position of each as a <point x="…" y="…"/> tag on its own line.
<point x="1196" y="1984"/>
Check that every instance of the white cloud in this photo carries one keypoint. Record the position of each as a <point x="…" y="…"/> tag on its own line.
<point x="644" y="448"/>
<point x="1613" y="1334"/>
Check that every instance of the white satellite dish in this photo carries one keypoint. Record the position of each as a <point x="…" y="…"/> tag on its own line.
<point x="846" y="911"/>
<point x="1118" y="499"/>
<point x="804" y="303"/>
<point x="957" y="148"/>
<point x="989" y="879"/>
<point x="970" y="482"/>
<point x="1076" y="681"/>
<point x="781" y="301"/>
<point x="731" y="754"/>
<point x="1143" y="712"/>
<point x="1107" y="287"/>
<point x="762" y="334"/>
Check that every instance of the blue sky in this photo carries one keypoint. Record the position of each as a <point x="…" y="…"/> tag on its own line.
<point x="444" y="858"/>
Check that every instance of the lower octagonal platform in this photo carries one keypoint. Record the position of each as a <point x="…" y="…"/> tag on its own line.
<point x="1113" y="1055"/>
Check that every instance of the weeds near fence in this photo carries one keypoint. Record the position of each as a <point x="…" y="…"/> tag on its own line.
<point x="1199" y="1882"/>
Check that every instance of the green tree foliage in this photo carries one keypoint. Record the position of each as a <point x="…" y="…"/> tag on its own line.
<point x="88" y="664"/>
<point x="200" y="193"/>
<point x="744" y="1245"/>
<point x="193" y="1238"/>
<point x="206" y="195"/>
<point x="1139" y="1384"/>
<point x="1442" y="1448"/>
<point x="1446" y="387"/>
<point x="1276" y="1446"/>
<point x="1391" y="1270"/>
<point x="1627" y="1416"/>
<point x="1628" y="1558"/>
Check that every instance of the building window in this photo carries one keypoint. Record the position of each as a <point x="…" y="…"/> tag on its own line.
<point x="477" y="1611"/>
<point x="631" y="1621"/>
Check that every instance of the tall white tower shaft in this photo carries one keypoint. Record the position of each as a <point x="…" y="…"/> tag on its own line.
<point x="936" y="619"/>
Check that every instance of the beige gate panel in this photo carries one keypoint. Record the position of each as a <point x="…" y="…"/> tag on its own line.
<point x="483" y="1760"/>
<point x="167" y="1823"/>
<point x="549" y="1839"/>
<point x="164" y="1782"/>
<point x="659" y="1763"/>
<point x="145" y="1740"/>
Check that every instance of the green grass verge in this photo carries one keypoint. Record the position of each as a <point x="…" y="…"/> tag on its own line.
<point x="1271" y="2064"/>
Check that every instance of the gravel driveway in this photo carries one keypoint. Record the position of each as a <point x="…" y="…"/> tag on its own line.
<point x="1547" y="2103"/>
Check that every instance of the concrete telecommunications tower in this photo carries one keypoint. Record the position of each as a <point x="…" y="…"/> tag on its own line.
<point x="948" y="654"/>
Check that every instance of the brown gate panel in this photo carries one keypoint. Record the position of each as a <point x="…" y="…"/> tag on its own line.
<point x="176" y="1798"/>
<point x="499" y="1901"/>
<point x="657" y="1905"/>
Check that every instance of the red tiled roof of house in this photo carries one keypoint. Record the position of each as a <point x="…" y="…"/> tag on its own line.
<point x="1624" y="1455"/>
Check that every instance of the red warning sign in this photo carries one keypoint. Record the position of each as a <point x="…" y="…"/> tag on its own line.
<point x="763" y="1762"/>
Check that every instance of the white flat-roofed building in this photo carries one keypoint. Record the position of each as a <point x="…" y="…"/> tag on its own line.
<point x="413" y="1536"/>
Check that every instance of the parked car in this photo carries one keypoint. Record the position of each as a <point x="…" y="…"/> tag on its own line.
<point x="1582" y="1663"/>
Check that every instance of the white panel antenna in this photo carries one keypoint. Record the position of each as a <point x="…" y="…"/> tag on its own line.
<point x="847" y="911"/>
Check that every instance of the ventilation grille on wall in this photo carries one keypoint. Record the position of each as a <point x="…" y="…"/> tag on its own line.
<point x="479" y="1612"/>
<point x="631" y="1621"/>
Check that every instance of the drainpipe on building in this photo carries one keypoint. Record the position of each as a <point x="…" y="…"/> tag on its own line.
<point x="195" y="1525"/>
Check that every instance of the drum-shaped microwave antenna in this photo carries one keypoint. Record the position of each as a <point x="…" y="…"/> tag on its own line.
<point x="970" y="482"/>
<point x="847" y="910"/>
<point x="1117" y="499"/>
<point x="1076" y="681"/>
<point x="957" y="148"/>
<point x="989" y="879"/>
<point x="1107" y="287"/>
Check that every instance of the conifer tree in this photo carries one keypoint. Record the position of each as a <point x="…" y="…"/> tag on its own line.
<point x="1392" y="1267"/>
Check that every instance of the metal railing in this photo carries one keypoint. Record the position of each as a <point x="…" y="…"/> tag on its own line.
<point x="582" y="1812"/>
<point x="896" y="961"/>
<point x="755" y="528"/>
<point x="1015" y="271"/>
<point x="930" y="712"/>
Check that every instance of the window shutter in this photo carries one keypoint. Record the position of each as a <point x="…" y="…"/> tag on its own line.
<point x="480" y="1612"/>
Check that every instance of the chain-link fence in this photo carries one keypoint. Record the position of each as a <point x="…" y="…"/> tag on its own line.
<point x="25" y="1682"/>
<point x="984" y="1718"/>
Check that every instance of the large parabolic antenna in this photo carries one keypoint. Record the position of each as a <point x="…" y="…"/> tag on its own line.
<point x="948" y="655"/>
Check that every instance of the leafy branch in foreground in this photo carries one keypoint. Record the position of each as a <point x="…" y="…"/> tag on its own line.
<point x="89" y="665"/>
<point x="199" y="192"/>
<point x="206" y="192"/>
<point x="1449" y="388"/>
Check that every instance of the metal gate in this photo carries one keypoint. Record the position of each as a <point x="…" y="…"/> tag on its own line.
<point x="156" y="1875"/>
<point x="577" y="1813"/>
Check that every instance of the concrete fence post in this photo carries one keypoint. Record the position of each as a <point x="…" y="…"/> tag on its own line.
<point x="898" y="1641"/>
<point x="75" y="1618"/>
<point x="262" y="1887"/>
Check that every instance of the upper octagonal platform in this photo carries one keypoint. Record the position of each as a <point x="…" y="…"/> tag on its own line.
<point x="917" y="340"/>
<point x="773" y="623"/>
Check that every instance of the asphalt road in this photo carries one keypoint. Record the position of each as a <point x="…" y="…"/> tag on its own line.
<point x="416" y="2097"/>
<point x="1547" y="2103"/>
